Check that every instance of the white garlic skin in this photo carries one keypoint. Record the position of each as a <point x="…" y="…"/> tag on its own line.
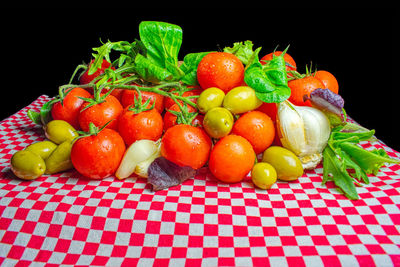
<point x="303" y="130"/>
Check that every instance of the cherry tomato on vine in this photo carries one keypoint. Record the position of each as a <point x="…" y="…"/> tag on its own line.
<point x="68" y="109"/>
<point x="186" y="145"/>
<point x="101" y="113"/>
<point x="170" y="119"/>
<point x="128" y="98"/>
<point x="168" y="102"/>
<point x="134" y="126"/>
<point x="98" y="156"/>
<point x="86" y="78"/>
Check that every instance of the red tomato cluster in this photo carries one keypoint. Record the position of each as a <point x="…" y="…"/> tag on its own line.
<point x="230" y="158"/>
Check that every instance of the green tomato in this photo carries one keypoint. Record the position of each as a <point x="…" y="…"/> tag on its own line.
<point x="60" y="159"/>
<point x="27" y="165"/>
<point x="241" y="99"/>
<point x="287" y="165"/>
<point x="210" y="98"/>
<point x="263" y="175"/>
<point x="59" y="131"/>
<point x="218" y="122"/>
<point x="43" y="148"/>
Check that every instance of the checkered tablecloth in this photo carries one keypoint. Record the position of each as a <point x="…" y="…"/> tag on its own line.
<point x="69" y="220"/>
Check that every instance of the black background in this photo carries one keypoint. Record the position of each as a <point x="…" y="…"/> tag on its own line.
<point x="41" y="48"/>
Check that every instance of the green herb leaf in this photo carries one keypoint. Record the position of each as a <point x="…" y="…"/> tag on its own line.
<point x="369" y="161"/>
<point x="343" y="154"/>
<point x="335" y="167"/>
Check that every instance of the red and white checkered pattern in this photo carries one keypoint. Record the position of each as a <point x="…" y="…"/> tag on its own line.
<point x="69" y="220"/>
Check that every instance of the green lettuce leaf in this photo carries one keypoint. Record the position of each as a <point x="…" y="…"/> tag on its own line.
<point x="162" y="42"/>
<point x="269" y="80"/>
<point x="189" y="67"/>
<point x="243" y="50"/>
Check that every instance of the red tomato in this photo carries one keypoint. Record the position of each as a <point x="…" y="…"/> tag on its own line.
<point x="143" y="125"/>
<point x="220" y="69"/>
<point x="70" y="107"/>
<point x="301" y="87"/>
<point x="128" y="98"/>
<point x="186" y="145"/>
<point x="98" y="156"/>
<point x="100" y="114"/>
<point x="86" y="78"/>
<point x="170" y="119"/>
<point x="168" y="102"/>
<point x="270" y="109"/>
<point x="290" y="63"/>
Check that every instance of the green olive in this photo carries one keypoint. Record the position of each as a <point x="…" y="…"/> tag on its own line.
<point x="210" y="98"/>
<point x="27" y="165"/>
<point x="59" y="131"/>
<point x="287" y="165"/>
<point x="43" y="148"/>
<point x="60" y="159"/>
<point x="241" y="99"/>
<point x="218" y="122"/>
<point x="263" y="175"/>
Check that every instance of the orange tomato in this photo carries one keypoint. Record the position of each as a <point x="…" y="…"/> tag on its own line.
<point x="220" y="69"/>
<point x="186" y="145"/>
<point x="328" y="80"/>
<point x="257" y="127"/>
<point x="301" y="87"/>
<point x="231" y="159"/>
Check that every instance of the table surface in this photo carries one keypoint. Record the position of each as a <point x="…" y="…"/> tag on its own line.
<point x="67" y="219"/>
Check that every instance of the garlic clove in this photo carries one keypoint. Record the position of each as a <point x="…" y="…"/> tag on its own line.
<point x="303" y="130"/>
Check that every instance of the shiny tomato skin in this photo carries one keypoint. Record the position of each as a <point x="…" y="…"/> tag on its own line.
<point x="128" y="98"/>
<point x="186" y="145"/>
<point x="231" y="159"/>
<point x="328" y="80"/>
<point x="70" y="107"/>
<point x="220" y="69"/>
<point x="144" y="125"/>
<point x="100" y="114"/>
<point x="169" y="119"/>
<point x="98" y="156"/>
<point x="86" y="78"/>
<point x="303" y="87"/>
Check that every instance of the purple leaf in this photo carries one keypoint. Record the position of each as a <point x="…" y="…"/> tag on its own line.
<point x="327" y="100"/>
<point x="163" y="174"/>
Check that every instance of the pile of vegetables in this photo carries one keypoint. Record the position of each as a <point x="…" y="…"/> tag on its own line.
<point x="138" y="110"/>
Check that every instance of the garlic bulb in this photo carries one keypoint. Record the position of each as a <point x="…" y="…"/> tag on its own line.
<point x="303" y="130"/>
